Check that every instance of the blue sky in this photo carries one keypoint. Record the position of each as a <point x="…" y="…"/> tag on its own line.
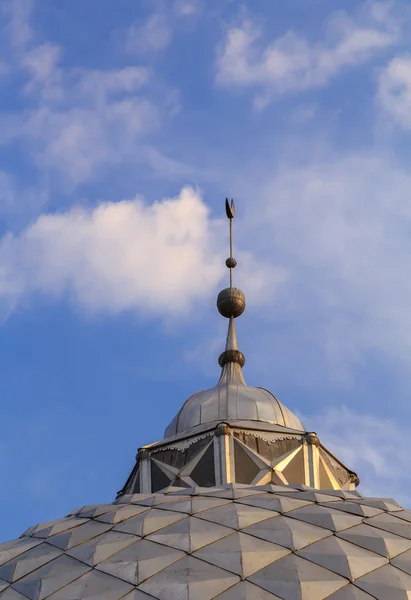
<point x="123" y="127"/>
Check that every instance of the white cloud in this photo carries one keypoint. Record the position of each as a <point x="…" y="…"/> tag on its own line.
<point x="376" y="448"/>
<point x="78" y="120"/>
<point x="84" y="119"/>
<point x="187" y="8"/>
<point x="17" y="15"/>
<point x="94" y="130"/>
<point x="118" y="256"/>
<point x="158" y="260"/>
<point x="151" y="35"/>
<point x="394" y="92"/>
<point x="41" y="63"/>
<point x="101" y="84"/>
<point x="172" y="168"/>
<point x="292" y="62"/>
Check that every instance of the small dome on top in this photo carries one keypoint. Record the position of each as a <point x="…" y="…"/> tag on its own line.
<point x="232" y="399"/>
<point x="236" y="402"/>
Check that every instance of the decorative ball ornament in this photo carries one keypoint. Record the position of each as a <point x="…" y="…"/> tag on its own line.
<point x="231" y="302"/>
<point x="312" y="438"/>
<point x="354" y="479"/>
<point x="231" y="263"/>
<point x="222" y="429"/>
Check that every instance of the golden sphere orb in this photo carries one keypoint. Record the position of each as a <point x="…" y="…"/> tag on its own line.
<point x="231" y="302"/>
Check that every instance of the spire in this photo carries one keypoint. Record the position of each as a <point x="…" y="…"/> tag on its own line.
<point x="231" y="304"/>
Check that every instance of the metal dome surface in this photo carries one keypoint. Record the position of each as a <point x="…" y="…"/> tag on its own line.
<point x="232" y="401"/>
<point x="233" y="542"/>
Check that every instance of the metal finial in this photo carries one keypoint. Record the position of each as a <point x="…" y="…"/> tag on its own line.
<point x="230" y="212"/>
<point x="231" y="301"/>
<point x="231" y="304"/>
<point x="230" y="208"/>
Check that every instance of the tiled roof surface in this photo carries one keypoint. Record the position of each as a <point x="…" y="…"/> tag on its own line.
<point x="234" y="542"/>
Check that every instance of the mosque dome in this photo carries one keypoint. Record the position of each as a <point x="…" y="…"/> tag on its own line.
<point x="228" y="402"/>
<point x="231" y="399"/>
<point x="237" y="502"/>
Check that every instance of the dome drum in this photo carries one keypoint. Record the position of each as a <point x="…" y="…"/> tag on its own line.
<point x="233" y="453"/>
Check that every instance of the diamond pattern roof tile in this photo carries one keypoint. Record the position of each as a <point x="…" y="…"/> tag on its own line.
<point x="404" y="514"/>
<point x="386" y="583"/>
<point x="342" y="557"/>
<point x="246" y="591"/>
<point x="236" y="516"/>
<point x="140" y="561"/>
<point x="286" y="532"/>
<point x="386" y="504"/>
<point x="350" y="592"/>
<point x="10" y="550"/>
<point x="94" y="510"/>
<point x="362" y="510"/>
<point x="403" y="562"/>
<point x="48" y="579"/>
<point x="241" y="553"/>
<point x="391" y="523"/>
<point x="93" y="586"/>
<point x="275" y="503"/>
<point x="377" y="540"/>
<point x="149" y="521"/>
<point x="79" y="535"/>
<point x="101" y="547"/>
<point x="47" y="530"/>
<point x="190" y="534"/>
<point x="121" y="514"/>
<point x="187" y="579"/>
<point x="28" y="562"/>
<point x="294" y="578"/>
<point x="329" y="518"/>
